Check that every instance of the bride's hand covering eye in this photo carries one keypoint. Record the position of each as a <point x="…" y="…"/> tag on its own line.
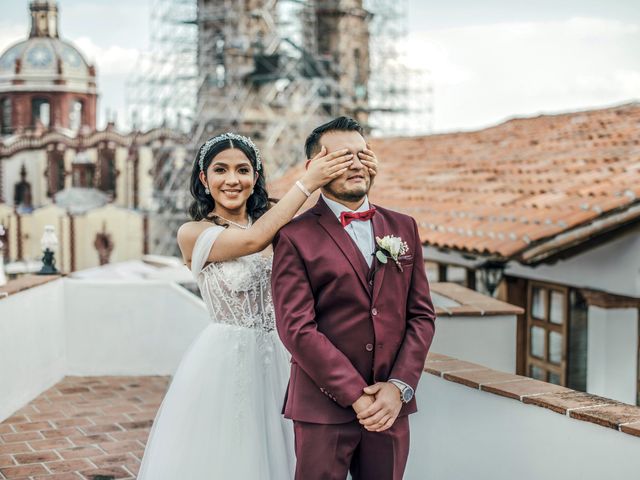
<point x="323" y="167"/>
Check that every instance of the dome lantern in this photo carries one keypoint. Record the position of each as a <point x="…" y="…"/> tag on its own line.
<point x="44" y="19"/>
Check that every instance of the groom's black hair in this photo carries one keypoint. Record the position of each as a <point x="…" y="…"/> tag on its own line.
<point x="343" y="124"/>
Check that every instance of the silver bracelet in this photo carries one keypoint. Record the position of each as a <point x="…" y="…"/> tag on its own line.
<point x="303" y="188"/>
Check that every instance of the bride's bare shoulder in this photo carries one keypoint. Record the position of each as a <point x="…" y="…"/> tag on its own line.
<point x="188" y="233"/>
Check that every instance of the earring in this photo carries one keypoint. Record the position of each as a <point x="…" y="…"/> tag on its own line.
<point x="206" y="190"/>
<point x="252" y="191"/>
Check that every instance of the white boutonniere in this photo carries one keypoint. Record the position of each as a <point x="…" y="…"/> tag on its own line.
<point x="390" y="246"/>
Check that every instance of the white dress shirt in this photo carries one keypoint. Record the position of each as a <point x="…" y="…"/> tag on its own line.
<point x="361" y="232"/>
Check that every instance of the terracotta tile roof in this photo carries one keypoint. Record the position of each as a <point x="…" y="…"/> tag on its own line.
<point x="469" y="302"/>
<point x="504" y="190"/>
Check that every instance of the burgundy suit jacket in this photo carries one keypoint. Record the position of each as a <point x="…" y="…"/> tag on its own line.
<point x="344" y="328"/>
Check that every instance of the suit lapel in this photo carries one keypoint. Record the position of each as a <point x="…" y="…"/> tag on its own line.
<point x="380" y="229"/>
<point x="330" y="223"/>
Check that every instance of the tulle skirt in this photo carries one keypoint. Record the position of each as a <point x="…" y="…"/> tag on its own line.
<point x="220" y="418"/>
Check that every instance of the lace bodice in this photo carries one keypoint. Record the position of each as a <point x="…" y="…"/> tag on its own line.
<point x="237" y="292"/>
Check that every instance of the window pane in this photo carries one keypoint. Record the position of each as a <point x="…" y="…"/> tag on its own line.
<point x="576" y="354"/>
<point x="555" y="347"/>
<point x="457" y="274"/>
<point x="538" y="303"/>
<point x="480" y="283"/>
<point x="75" y="116"/>
<point x="6" y="116"/>
<point x="554" y="378"/>
<point x="556" y="313"/>
<point x="537" y="342"/>
<point x="432" y="271"/>
<point x="537" y="373"/>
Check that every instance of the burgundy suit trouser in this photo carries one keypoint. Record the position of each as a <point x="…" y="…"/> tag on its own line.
<point x="328" y="452"/>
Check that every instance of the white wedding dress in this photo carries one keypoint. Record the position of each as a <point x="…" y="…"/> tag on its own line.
<point x="220" y="418"/>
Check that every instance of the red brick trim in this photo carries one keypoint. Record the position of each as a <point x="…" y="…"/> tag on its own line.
<point x="577" y="405"/>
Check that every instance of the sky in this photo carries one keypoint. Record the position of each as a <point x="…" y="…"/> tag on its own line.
<point x="487" y="61"/>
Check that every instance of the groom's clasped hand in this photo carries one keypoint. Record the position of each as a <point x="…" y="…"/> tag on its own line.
<point x="378" y="407"/>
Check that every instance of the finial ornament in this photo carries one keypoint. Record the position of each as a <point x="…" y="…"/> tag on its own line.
<point x="231" y="137"/>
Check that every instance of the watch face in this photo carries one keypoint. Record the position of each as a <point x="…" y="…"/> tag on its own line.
<point x="407" y="395"/>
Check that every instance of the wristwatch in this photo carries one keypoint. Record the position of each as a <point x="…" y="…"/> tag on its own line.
<point x="406" y="392"/>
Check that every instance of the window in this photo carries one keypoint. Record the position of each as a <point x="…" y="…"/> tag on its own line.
<point x="40" y="112"/>
<point x="75" y="115"/>
<point x="547" y="332"/>
<point x="5" y="117"/>
<point x="106" y="171"/>
<point x="432" y="271"/>
<point x="55" y="172"/>
<point x="4" y="241"/>
<point x="577" y="354"/>
<point x="457" y="275"/>
<point x="83" y="174"/>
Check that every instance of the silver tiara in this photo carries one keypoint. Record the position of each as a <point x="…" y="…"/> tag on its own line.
<point x="231" y="137"/>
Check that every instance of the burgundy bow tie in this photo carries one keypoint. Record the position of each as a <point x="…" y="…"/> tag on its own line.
<point x="347" y="217"/>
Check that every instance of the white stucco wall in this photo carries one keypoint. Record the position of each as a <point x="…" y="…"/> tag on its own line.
<point x="612" y="366"/>
<point x="129" y="328"/>
<point x="489" y="341"/>
<point x="613" y="267"/>
<point x="460" y="433"/>
<point x="80" y="327"/>
<point x="32" y="344"/>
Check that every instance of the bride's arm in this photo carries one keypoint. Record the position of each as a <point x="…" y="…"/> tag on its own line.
<point x="234" y="243"/>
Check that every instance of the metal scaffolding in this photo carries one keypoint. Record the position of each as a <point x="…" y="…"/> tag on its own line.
<point x="269" y="71"/>
<point x="273" y="70"/>
<point x="400" y="94"/>
<point x="162" y="88"/>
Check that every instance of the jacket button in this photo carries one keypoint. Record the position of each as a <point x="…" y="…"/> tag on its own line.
<point x="374" y="311"/>
<point x="369" y="347"/>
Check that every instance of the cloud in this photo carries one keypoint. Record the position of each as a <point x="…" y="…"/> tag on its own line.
<point x="484" y="74"/>
<point x="111" y="60"/>
<point x="10" y="34"/>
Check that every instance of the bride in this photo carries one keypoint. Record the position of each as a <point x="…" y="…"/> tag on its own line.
<point x="221" y="418"/>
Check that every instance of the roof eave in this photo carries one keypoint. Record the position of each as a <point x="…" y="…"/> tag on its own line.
<point x="551" y="249"/>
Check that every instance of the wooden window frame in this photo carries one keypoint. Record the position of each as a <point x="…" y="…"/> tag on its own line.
<point x="548" y="327"/>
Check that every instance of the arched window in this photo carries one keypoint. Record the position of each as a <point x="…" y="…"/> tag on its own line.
<point x="22" y="192"/>
<point x="5" y="117"/>
<point x="106" y="171"/>
<point x="55" y="172"/>
<point x="75" y="115"/>
<point x="41" y="112"/>
<point x="4" y="241"/>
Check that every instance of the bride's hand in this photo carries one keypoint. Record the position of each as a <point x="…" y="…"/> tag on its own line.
<point x="324" y="167"/>
<point x="369" y="160"/>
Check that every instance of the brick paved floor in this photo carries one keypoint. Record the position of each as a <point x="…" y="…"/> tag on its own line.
<point x="82" y="428"/>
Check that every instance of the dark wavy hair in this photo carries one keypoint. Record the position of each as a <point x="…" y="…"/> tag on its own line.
<point x="341" y="124"/>
<point x="203" y="204"/>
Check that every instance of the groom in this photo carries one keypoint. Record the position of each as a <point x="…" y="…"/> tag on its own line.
<point x="358" y="321"/>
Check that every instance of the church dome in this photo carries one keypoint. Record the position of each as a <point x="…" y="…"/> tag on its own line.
<point x="44" y="62"/>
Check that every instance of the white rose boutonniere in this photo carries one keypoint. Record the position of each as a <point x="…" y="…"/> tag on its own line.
<point x="390" y="246"/>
